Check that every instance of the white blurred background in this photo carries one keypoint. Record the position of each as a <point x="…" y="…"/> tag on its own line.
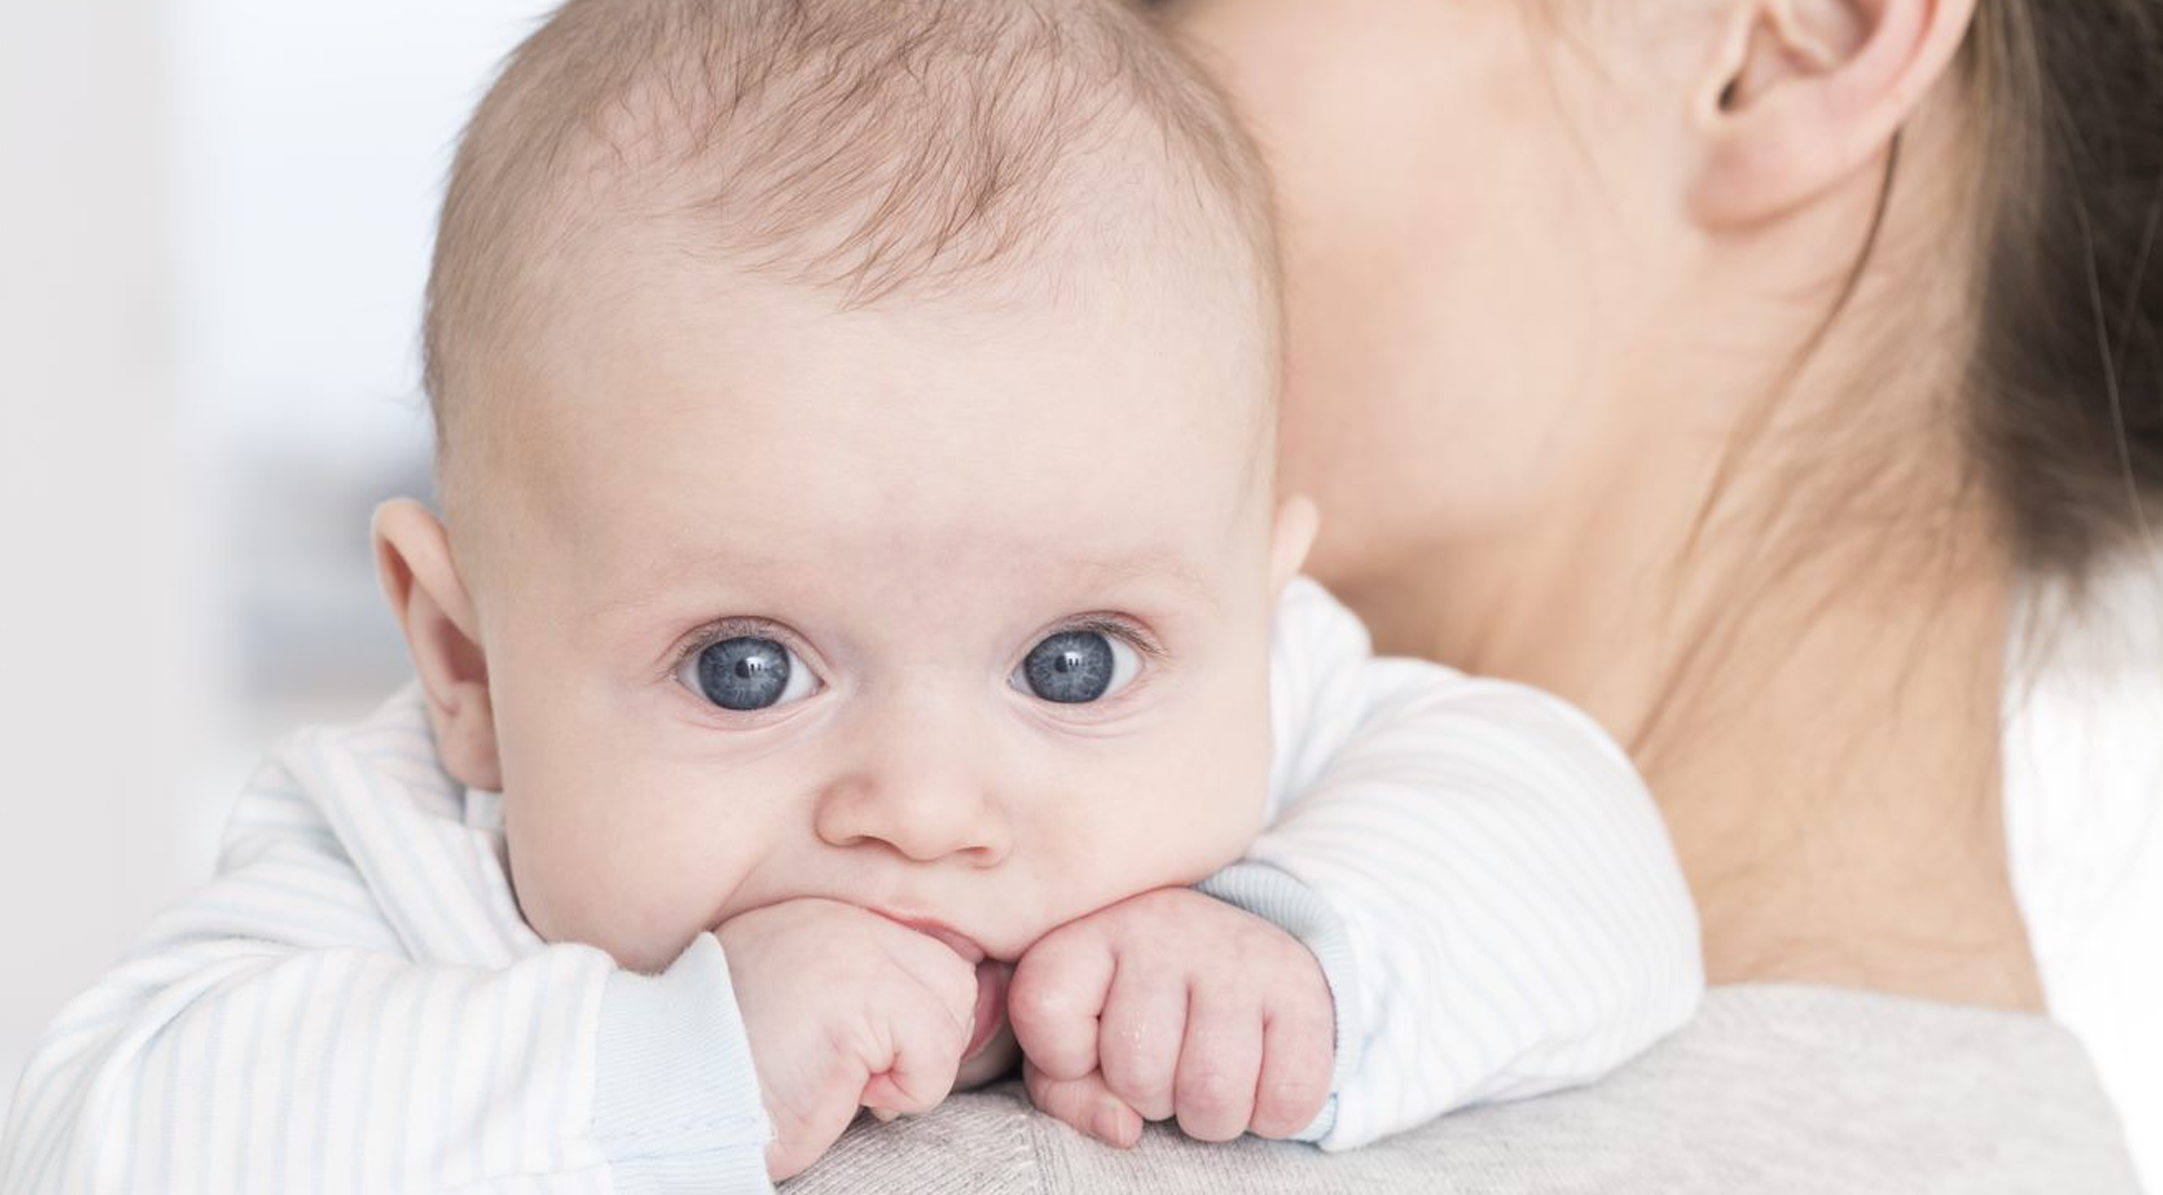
<point x="214" y="229"/>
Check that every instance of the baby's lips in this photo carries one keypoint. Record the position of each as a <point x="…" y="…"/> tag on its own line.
<point x="969" y="951"/>
<point x="991" y="981"/>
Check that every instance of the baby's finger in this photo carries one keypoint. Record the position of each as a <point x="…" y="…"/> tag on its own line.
<point x="1138" y="1043"/>
<point x="1219" y="1061"/>
<point x="1299" y="1053"/>
<point x="1085" y="1103"/>
<point x="805" y="1131"/>
<point x="921" y="1055"/>
<point x="1055" y="999"/>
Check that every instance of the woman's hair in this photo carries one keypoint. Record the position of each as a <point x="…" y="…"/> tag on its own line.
<point x="2064" y="392"/>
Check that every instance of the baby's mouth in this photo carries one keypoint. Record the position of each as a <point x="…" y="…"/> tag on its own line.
<point x="992" y="1052"/>
<point x="991" y="980"/>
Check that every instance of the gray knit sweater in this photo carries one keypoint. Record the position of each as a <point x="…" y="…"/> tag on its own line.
<point x="1770" y="1089"/>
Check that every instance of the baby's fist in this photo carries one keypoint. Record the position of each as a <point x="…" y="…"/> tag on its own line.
<point x="1174" y="1004"/>
<point x="844" y="1009"/>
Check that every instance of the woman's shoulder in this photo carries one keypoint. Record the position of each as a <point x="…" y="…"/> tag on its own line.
<point x="1770" y="1089"/>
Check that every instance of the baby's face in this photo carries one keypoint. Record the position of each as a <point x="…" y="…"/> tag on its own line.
<point x="963" y="619"/>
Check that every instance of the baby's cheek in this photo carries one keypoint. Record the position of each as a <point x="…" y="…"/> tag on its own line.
<point x="1229" y="802"/>
<point x="1234" y="816"/>
<point x="1208" y="818"/>
<point x="640" y="901"/>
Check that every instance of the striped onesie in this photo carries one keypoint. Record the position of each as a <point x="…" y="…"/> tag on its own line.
<point x="354" y="1003"/>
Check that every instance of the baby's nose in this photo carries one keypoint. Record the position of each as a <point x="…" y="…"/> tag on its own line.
<point x="925" y="809"/>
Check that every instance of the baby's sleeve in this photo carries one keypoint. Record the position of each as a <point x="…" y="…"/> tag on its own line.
<point x="282" y="1031"/>
<point x="1481" y="873"/>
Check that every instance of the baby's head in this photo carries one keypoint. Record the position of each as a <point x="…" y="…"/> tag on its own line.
<point x="856" y="427"/>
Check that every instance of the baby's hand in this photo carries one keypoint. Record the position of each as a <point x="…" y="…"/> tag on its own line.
<point x="1172" y="1003"/>
<point x="844" y="1009"/>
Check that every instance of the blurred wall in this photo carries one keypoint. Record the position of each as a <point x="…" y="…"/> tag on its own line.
<point x="215" y="225"/>
<point x="110" y="676"/>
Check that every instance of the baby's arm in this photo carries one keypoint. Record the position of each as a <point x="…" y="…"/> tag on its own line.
<point x="276" y="1032"/>
<point x="1480" y="873"/>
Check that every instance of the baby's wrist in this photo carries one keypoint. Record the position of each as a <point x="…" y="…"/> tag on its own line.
<point x="1283" y="900"/>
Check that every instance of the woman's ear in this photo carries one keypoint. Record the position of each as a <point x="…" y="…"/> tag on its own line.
<point x="430" y="602"/>
<point x="1290" y="539"/>
<point x="1804" y="93"/>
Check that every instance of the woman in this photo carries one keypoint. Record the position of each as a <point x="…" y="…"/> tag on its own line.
<point x="1725" y="366"/>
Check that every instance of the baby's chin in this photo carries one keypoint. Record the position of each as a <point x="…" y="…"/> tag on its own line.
<point x="995" y="1061"/>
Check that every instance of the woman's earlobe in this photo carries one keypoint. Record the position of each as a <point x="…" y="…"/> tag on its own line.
<point x="434" y="610"/>
<point x="1802" y="95"/>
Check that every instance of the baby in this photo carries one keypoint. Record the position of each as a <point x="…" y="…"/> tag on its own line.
<point x="862" y="611"/>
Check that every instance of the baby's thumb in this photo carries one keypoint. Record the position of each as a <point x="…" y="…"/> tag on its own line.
<point x="1085" y="1103"/>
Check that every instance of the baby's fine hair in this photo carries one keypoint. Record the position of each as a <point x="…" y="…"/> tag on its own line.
<point x="865" y="148"/>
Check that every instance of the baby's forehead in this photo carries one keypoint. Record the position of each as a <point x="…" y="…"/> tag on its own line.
<point x="708" y="416"/>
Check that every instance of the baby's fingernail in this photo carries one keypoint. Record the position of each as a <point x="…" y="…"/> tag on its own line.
<point x="885" y="1115"/>
<point x="1113" y="1128"/>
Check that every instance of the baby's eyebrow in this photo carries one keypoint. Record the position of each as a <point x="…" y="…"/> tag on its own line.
<point x="1153" y="565"/>
<point x="1084" y="576"/>
<point x="649" y="584"/>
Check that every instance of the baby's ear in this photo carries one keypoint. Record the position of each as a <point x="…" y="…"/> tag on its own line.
<point x="1297" y="521"/>
<point x="430" y="602"/>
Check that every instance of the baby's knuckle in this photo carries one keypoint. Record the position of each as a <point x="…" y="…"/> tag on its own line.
<point x="1301" y="1023"/>
<point x="1037" y="1009"/>
<point x="1290" y="1101"/>
<point x="1144" y="1087"/>
<point x="1209" y="1090"/>
<point x="1123" y="1059"/>
<point x="1055" y="949"/>
<point x="1255" y="938"/>
<point x="1173" y="907"/>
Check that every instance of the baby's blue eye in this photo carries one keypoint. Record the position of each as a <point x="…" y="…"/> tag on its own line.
<point x="1078" y="667"/>
<point x="747" y="673"/>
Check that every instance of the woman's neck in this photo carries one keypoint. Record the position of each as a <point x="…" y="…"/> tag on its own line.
<point x="1828" y="765"/>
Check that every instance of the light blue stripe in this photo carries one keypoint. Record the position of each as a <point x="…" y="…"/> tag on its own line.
<point x="560" y="1126"/>
<point x="214" y="1048"/>
<point x="514" y="1134"/>
<point x="423" y="993"/>
<point x="1513" y="842"/>
<point x="377" y="802"/>
<point x="1514" y="886"/>
<point x="42" y="1156"/>
<point x="304" y="965"/>
<point x="359" y="928"/>
<point x="375" y="1014"/>
<point x="329" y="1083"/>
